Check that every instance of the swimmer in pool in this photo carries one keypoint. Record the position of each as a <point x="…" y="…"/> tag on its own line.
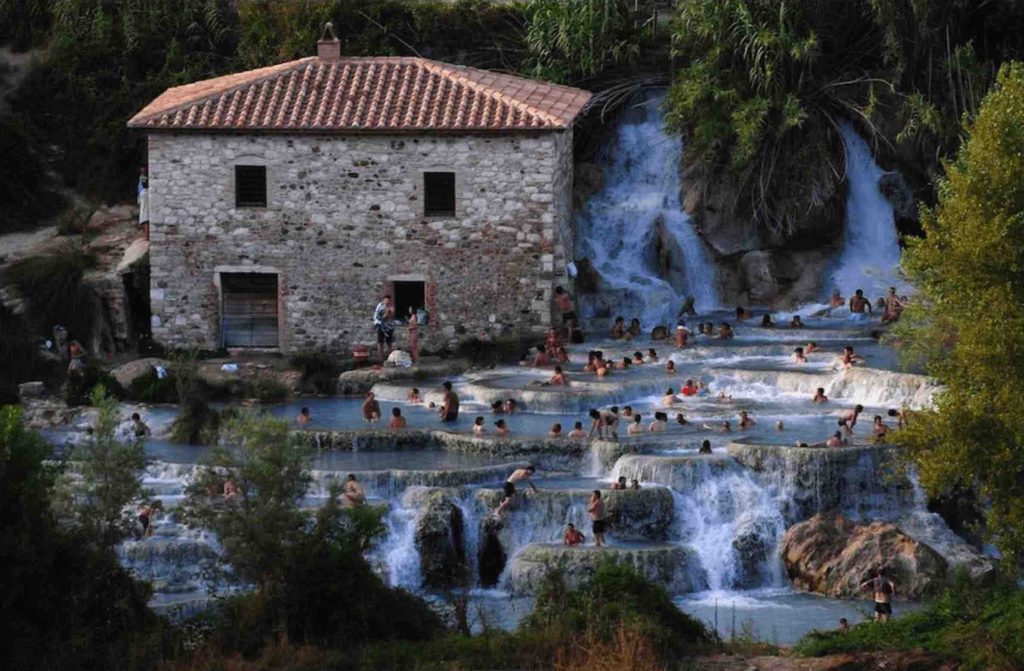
<point x="659" y="424"/>
<point x="670" y="398"/>
<point x="636" y="427"/>
<point x="559" y="378"/>
<point x="796" y="322"/>
<point x="858" y="304"/>
<point x="901" y="416"/>
<point x="766" y="321"/>
<point x="577" y="431"/>
<point x="414" y="396"/>
<point x="501" y="428"/>
<point x="798" y="355"/>
<point x="478" y="427"/>
<point x="746" y="421"/>
<point x="670" y="367"/>
<point x="879" y="430"/>
<point x="619" y="328"/>
<point x="819" y="396"/>
<point x="742" y="314"/>
<point x="837" y="300"/>
<point x="779" y="426"/>
<point x="371" y="409"/>
<point x="811" y="347"/>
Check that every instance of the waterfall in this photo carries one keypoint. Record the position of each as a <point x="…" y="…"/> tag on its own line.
<point x="635" y="231"/>
<point x="871" y="253"/>
<point x="398" y="552"/>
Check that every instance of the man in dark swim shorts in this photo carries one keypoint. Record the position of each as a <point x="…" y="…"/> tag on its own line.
<point x="596" y="510"/>
<point x="450" y="406"/>
<point x="509" y="487"/>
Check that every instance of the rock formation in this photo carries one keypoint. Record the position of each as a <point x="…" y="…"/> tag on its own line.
<point x="440" y="539"/>
<point x="831" y="555"/>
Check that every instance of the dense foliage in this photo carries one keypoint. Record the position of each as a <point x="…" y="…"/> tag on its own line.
<point x="765" y="84"/>
<point x="54" y="289"/>
<point x="966" y="323"/>
<point x="980" y="626"/>
<point x="65" y="601"/>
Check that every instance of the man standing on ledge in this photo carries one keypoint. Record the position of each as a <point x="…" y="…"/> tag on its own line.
<point x="563" y="302"/>
<point x="382" y="323"/>
<point x="450" y="405"/>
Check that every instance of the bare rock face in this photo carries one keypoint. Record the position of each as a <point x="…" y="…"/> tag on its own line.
<point x="831" y="555"/>
<point x="440" y="539"/>
<point x="589" y="179"/>
<point x="901" y="195"/>
<point x="127" y="373"/>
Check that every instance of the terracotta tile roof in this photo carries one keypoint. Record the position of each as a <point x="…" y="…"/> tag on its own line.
<point x="382" y="94"/>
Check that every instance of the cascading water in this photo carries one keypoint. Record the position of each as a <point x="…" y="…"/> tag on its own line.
<point x="870" y="256"/>
<point x="634" y="230"/>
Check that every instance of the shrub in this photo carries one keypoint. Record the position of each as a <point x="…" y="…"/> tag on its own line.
<point x="266" y="390"/>
<point x="319" y="370"/>
<point x="80" y="384"/>
<point x="53" y="286"/>
<point x="151" y="388"/>
<point x="981" y="627"/>
<point x="615" y="597"/>
<point x="25" y="194"/>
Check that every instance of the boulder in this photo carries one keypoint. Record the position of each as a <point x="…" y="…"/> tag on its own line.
<point x="901" y="196"/>
<point x="671" y="566"/>
<point x="831" y="555"/>
<point x="491" y="555"/>
<point x="127" y="373"/>
<point x="440" y="540"/>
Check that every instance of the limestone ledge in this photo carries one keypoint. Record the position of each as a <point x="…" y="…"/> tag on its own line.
<point x="870" y="386"/>
<point x="861" y="481"/>
<point x="633" y="515"/>
<point x="549" y="454"/>
<point x="680" y="472"/>
<point x="670" y="566"/>
<point x="362" y="380"/>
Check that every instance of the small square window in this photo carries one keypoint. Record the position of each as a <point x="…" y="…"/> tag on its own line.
<point x="250" y="186"/>
<point x="439" y="194"/>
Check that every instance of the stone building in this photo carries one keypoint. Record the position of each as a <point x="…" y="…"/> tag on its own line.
<point x="285" y="201"/>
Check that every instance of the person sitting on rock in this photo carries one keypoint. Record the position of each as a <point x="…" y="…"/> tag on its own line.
<point x="577" y="431"/>
<point x="819" y="396"/>
<point x="879" y="430"/>
<point x="553" y="342"/>
<point x="670" y="398"/>
<point x="836" y="440"/>
<point x="798" y="355"/>
<point x="620" y="484"/>
<point x="636" y="427"/>
<point x="397" y="421"/>
<point x="659" y="424"/>
<point x="353" y="496"/>
<point x="573" y="535"/>
<point x="559" y="378"/>
<point x="619" y="328"/>
<point x="705" y="447"/>
<point x="796" y="322"/>
<point x="556" y="431"/>
<point x="371" y="409"/>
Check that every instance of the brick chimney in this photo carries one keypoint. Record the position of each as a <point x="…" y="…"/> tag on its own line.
<point x="328" y="49"/>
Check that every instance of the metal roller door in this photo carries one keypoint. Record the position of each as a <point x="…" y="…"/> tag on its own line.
<point x="249" y="310"/>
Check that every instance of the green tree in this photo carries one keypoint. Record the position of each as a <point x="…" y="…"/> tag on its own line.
<point x="269" y="467"/>
<point x="111" y="470"/>
<point x="966" y="323"/>
<point x="573" y="40"/>
<point x="65" y="601"/>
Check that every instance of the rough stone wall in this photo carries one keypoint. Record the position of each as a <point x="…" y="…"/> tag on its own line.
<point x="344" y="215"/>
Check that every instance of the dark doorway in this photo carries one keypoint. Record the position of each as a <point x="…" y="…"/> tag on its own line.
<point x="249" y="310"/>
<point x="136" y="292"/>
<point x="409" y="296"/>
